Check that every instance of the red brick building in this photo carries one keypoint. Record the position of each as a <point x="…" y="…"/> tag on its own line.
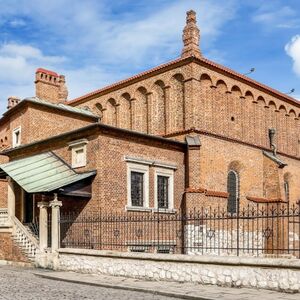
<point x="185" y="134"/>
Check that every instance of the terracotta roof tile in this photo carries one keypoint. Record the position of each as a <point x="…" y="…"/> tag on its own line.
<point x="265" y="200"/>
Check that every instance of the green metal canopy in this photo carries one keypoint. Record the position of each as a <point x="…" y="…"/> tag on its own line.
<point x="44" y="172"/>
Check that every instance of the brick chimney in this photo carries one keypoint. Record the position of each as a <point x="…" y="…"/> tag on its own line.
<point x="191" y="36"/>
<point x="12" y="101"/>
<point x="50" y="86"/>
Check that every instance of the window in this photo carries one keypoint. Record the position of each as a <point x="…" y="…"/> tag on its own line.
<point x="17" y="137"/>
<point x="140" y="249"/>
<point x="137" y="189"/>
<point x="137" y="186"/>
<point x="78" y="149"/>
<point x="164" y="179"/>
<point x="79" y="157"/>
<point x="165" y="249"/>
<point x="163" y="191"/>
<point x="286" y="190"/>
<point x="233" y="191"/>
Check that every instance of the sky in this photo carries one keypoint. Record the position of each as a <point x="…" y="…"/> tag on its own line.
<point x="97" y="42"/>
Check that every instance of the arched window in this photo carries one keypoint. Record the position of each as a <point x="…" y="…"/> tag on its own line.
<point x="99" y="110"/>
<point x="286" y="190"/>
<point x="233" y="191"/>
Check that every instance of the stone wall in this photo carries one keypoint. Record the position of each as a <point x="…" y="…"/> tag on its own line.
<point x="265" y="273"/>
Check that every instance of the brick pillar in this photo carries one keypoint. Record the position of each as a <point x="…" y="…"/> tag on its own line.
<point x="55" y="225"/>
<point x="168" y="104"/>
<point x="149" y="113"/>
<point x="133" y="114"/>
<point x="43" y="225"/>
<point x="193" y="164"/>
<point x="191" y="100"/>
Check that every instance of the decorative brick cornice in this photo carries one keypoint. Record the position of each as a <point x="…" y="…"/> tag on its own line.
<point x="208" y="193"/>
<point x="265" y="200"/>
<point x="216" y="194"/>
<point x="183" y="61"/>
<point x="48" y="72"/>
<point x="191" y="190"/>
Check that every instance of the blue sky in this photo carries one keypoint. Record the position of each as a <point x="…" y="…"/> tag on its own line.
<point x="95" y="43"/>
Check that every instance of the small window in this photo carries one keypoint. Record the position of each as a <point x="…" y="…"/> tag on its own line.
<point x="79" y="157"/>
<point x="233" y="191"/>
<point x="164" y="249"/>
<point x="137" y="186"/>
<point x="140" y="249"/>
<point x="17" y="137"/>
<point x="164" y="189"/>
<point x="78" y="149"/>
<point x="137" y="189"/>
<point x="287" y="191"/>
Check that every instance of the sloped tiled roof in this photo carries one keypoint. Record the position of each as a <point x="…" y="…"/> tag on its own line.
<point x="59" y="106"/>
<point x="44" y="172"/>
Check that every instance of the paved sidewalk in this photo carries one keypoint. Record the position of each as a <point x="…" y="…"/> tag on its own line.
<point x="172" y="289"/>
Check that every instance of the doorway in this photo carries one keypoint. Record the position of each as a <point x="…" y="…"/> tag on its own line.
<point x="29" y="208"/>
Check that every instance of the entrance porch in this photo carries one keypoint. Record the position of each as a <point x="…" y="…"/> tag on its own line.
<point x="37" y="186"/>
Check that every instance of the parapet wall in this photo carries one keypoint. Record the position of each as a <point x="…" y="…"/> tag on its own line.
<point x="263" y="273"/>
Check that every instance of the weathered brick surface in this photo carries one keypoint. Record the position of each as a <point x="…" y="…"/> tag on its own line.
<point x="105" y="153"/>
<point x="9" y="250"/>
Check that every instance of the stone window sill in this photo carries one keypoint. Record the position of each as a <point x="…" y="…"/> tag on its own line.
<point x="164" y="210"/>
<point x="137" y="208"/>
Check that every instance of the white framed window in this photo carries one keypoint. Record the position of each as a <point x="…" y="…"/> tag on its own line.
<point x="79" y="152"/>
<point x="16" y="138"/>
<point x="137" y="187"/>
<point x="164" y="189"/>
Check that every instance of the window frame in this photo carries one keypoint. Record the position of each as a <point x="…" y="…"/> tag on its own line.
<point x="166" y="173"/>
<point x="75" y="146"/>
<point x="14" y="142"/>
<point x="131" y="167"/>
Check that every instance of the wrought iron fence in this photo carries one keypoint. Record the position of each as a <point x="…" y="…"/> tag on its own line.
<point x="253" y="231"/>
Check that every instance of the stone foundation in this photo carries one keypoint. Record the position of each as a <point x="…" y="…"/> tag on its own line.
<point x="264" y="273"/>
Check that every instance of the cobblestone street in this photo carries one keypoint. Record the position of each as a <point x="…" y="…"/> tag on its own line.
<point x="22" y="284"/>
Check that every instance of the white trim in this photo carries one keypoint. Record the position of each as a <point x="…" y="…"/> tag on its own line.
<point x="74" y="149"/>
<point x="170" y="174"/>
<point x="139" y="160"/>
<point x="81" y="142"/>
<point x="137" y="208"/>
<point x="14" y="142"/>
<point x="142" y="169"/>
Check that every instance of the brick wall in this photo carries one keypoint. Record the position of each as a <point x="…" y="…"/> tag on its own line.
<point x="194" y="95"/>
<point x="8" y="249"/>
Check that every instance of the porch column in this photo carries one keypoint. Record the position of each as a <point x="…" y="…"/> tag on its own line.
<point x="11" y="198"/>
<point x="55" y="228"/>
<point x="43" y="225"/>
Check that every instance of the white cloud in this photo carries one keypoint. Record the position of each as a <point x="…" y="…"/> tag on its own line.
<point x="17" y="68"/>
<point x="92" y="46"/>
<point x="280" y="17"/>
<point x="293" y="50"/>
